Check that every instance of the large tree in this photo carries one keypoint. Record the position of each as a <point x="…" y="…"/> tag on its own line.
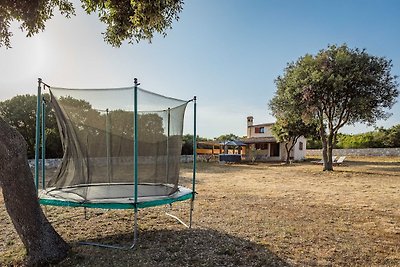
<point x="131" y="20"/>
<point x="340" y="86"/>
<point x="42" y="243"/>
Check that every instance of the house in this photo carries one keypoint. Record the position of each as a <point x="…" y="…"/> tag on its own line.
<point x="262" y="145"/>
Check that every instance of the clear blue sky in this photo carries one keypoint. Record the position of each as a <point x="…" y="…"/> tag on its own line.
<point x="227" y="52"/>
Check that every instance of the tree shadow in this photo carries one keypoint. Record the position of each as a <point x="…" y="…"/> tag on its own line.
<point x="380" y="163"/>
<point x="188" y="247"/>
<point x="377" y="166"/>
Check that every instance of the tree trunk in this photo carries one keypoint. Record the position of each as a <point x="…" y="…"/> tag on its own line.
<point x="329" y="165"/>
<point x="43" y="244"/>
<point x="287" y="153"/>
<point x="326" y="155"/>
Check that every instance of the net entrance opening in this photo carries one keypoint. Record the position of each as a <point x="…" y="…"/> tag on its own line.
<point x="97" y="130"/>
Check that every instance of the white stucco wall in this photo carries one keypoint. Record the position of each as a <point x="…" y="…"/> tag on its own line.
<point x="297" y="153"/>
<point x="251" y="131"/>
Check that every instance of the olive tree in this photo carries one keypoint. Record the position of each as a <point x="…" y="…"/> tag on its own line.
<point x="339" y="86"/>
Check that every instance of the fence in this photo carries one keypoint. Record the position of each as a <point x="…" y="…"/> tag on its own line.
<point x="377" y="152"/>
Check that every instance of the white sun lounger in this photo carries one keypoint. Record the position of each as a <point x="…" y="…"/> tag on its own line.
<point x="322" y="160"/>
<point x="340" y="160"/>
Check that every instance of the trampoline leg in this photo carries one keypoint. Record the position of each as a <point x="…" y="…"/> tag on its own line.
<point x="135" y="229"/>
<point x="191" y="213"/>
<point x="135" y="238"/>
<point x="180" y="220"/>
<point x="45" y="210"/>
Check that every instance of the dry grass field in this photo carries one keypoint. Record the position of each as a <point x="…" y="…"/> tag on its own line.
<point x="248" y="215"/>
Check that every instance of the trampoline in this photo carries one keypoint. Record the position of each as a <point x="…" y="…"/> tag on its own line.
<point x="121" y="148"/>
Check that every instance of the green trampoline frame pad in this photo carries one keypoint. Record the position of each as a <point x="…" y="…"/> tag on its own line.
<point x="139" y="205"/>
<point x="65" y="197"/>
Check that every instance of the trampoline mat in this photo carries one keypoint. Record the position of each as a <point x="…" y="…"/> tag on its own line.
<point x="117" y="196"/>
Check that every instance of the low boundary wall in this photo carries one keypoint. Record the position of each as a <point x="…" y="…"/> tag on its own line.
<point x="377" y="152"/>
<point x="53" y="163"/>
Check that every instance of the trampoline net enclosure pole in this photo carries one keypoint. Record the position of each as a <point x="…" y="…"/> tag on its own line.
<point x="108" y="146"/>
<point x="135" y="159"/>
<point x="135" y="141"/>
<point x="43" y="143"/>
<point x="168" y="134"/>
<point x="194" y="145"/>
<point x="37" y="137"/>
<point x="194" y="161"/>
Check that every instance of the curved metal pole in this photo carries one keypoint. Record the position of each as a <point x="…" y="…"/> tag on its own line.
<point x="37" y="137"/>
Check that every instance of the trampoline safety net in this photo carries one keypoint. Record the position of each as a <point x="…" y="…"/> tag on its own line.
<point x="97" y="132"/>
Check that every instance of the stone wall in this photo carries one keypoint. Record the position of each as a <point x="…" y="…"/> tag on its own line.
<point x="50" y="163"/>
<point x="53" y="163"/>
<point x="378" y="152"/>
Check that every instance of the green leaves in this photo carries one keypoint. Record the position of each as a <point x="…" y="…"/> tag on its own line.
<point x="345" y="85"/>
<point x="226" y="137"/>
<point x="31" y="14"/>
<point x="133" y="20"/>
<point x="20" y="113"/>
<point x="379" y="138"/>
<point x="335" y="87"/>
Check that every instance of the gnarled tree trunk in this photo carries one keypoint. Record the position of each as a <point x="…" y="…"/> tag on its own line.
<point x="42" y="242"/>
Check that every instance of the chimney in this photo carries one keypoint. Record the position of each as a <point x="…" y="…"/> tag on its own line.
<point x="250" y="121"/>
<point x="249" y="124"/>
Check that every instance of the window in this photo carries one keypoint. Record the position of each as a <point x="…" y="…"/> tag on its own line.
<point x="259" y="129"/>
<point x="262" y="146"/>
<point x="300" y="145"/>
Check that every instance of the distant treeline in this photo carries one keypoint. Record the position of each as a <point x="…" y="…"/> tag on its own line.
<point x="20" y="113"/>
<point x="379" y="138"/>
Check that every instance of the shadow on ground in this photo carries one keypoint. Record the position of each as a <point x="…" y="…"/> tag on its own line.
<point x="189" y="247"/>
<point x="378" y="163"/>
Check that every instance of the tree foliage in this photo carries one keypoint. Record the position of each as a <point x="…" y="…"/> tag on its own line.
<point x="187" y="143"/>
<point x="133" y="20"/>
<point x="340" y="86"/>
<point x="32" y="14"/>
<point x="288" y="130"/>
<point x="290" y="125"/>
<point x="20" y="113"/>
<point x="227" y="137"/>
<point x="380" y="138"/>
